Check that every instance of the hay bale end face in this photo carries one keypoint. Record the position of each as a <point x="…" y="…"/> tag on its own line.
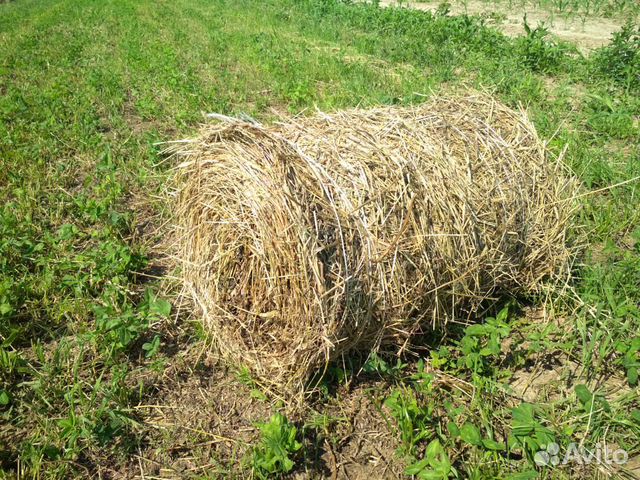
<point x="315" y="237"/>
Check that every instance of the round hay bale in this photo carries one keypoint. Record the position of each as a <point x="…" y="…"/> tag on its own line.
<point x="358" y="230"/>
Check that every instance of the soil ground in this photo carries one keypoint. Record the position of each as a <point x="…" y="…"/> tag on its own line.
<point x="587" y="33"/>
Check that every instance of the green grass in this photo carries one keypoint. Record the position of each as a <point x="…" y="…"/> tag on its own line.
<point x="88" y="87"/>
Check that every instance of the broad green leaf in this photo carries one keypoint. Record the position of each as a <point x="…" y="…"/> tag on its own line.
<point x="476" y="331"/>
<point x="151" y="348"/>
<point x="503" y="315"/>
<point x="492" y="444"/>
<point x="523" y="414"/>
<point x="416" y="468"/>
<point x="434" y="449"/>
<point x="471" y="434"/>
<point x="5" y="308"/>
<point x="453" y="429"/>
<point x="160" y="307"/>
<point x="431" y="475"/>
<point x="583" y="394"/>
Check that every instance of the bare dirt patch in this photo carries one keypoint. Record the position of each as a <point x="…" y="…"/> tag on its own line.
<point x="552" y="376"/>
<point x="201" y="419"/>
<point x="363" y="446"/>
<point x="586" y="33"/>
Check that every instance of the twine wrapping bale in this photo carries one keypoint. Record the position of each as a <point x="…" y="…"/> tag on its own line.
<point x="360" y="229"/>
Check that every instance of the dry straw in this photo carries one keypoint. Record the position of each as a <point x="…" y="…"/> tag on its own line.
<point x="361" y="229"/>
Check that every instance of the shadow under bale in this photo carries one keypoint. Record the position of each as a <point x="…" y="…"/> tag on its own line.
<point x="358" y="230"/>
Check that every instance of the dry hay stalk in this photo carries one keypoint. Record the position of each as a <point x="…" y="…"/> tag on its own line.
<point x="360" y="229"/>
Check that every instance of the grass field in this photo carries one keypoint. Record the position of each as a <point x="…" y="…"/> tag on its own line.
<point x="103" y="375"/>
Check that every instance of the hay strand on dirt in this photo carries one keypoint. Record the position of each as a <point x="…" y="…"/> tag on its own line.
<point x="360" y="229"/>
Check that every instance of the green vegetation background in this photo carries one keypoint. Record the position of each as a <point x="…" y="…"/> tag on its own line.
<point x="88" y="87"/>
